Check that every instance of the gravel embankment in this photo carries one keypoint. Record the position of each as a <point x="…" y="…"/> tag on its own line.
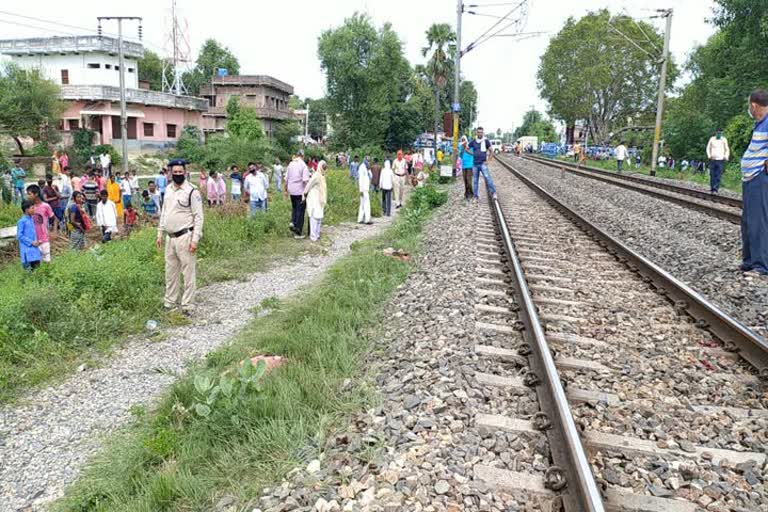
<point x="46" y="439"/>
<point x="701" y="250"/>
<point x="416" y="451"/>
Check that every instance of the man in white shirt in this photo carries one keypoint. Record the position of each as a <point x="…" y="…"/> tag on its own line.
<point x="106" y="217"/>
<point x="106" y="163"/>
<point x="277" y="175"/>
<point x="718" y="153"/>
<point x="256" y="186"/>
<point x="363" y="186"/>
<point x="126" y="190"/>
<point x="621" y="154"/>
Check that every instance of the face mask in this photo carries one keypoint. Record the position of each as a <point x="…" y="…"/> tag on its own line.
<point x="178" y="179"/>
<point x="719" y="135"/>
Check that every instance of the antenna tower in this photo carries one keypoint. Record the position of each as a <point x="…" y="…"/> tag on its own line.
<point x="177" y="46"/>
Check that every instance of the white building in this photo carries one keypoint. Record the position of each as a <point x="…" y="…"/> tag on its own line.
<point x="88" y="71"/>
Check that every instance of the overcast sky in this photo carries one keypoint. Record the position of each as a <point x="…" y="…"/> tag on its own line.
<point x="280" y="38"/>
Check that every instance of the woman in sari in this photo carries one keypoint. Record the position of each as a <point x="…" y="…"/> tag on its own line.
<point x="113" y="194"/>
<point x="316" y="195"/>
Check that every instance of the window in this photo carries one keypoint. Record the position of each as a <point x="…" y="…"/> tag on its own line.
<point x="149" y="130"/>
<point x="64" y="76"/>
<point x="117" y="68"/>
<point x="130" y="70"/>
<point x="171" y="130"/>
<point x="94" y="65"/>
<point x="107" y="66"/>
<point x="73" y="124"/>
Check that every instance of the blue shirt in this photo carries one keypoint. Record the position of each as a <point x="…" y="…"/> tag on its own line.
<point x="479" y="153"/>
<point x="150" y="207"/>
<point x="467" y="159"/>
<point x="161" y="183"/>
<point x="757" y="153"/>
<point x="25" y="234"/>
<point x="353" y="167"/>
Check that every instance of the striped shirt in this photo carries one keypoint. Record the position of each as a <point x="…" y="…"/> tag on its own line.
<point x="757" y="153"/>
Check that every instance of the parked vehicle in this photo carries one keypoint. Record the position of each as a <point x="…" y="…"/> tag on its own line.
<point x="496" y="146"/>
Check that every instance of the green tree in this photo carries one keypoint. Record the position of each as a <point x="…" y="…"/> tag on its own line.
<point x="439" y="66"/>
<point x="318" y="117"/>
<point x="590" y="71"/>
<point x="245" y="124"/>
<point x="285" y="134"/>
<point x="29" y="105"/>
<point x="151" y="69"/>
<point x="367" y="79"/>
<point x="535" y="125"/>
<point x="468" y="100"/>
<point x="212" y="56"/>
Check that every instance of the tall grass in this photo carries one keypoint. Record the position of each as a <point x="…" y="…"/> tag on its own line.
<point x="54" y="318"/>
<point x="175" y="460"/>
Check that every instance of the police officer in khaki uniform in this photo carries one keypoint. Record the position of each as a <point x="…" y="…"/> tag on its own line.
<point x="181" y="224"/>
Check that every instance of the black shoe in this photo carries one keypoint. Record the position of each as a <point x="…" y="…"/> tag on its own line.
<point x="370" y="222"/>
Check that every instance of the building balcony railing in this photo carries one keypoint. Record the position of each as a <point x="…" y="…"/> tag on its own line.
<point x="247" y="81"/>
<point x="136" y="96"/>
<point x="261" y="113"/>
<point x="73" y="44"/>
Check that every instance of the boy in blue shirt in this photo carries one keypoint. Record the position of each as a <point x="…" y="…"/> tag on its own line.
<point x="467" y="163"/>
<point x="25" y="233"/>
<point x="481" y="148"/>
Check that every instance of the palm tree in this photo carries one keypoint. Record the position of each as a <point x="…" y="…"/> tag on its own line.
<point x="440" y="37"/>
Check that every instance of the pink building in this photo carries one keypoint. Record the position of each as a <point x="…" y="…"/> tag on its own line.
<point x="87" y="69"/>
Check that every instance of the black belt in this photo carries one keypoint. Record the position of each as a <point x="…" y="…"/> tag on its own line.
<point x="181" y="233"/>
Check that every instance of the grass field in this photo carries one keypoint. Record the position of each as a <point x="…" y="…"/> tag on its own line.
<point x="183" y="457"/>
<point x="82" y="304"/>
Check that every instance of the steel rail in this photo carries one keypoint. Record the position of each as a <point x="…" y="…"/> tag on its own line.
<point x="734" y="335"/>
<point x="581" y="492"/>
<point x="632" y="182"/>
<point x="733" y="202"/>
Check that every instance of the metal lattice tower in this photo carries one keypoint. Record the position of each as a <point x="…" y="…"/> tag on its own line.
<point x="177" y="46"/>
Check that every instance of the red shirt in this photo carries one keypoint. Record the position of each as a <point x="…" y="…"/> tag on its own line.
<point x="130" y="217"/>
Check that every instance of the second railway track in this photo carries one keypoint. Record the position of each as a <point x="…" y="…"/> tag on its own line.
<point x="667" y="417"/>
<point x="720" y="206"/>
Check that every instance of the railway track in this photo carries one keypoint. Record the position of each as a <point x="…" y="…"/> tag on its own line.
<point x="723" y="207"/>
<point x="649" y="397"/>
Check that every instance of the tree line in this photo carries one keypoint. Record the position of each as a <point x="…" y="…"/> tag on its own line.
<point x="604" y="69"/>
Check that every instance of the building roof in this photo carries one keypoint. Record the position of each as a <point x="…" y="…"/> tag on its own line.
<point x="253" y="80"/>
<point x="69" y="44"/>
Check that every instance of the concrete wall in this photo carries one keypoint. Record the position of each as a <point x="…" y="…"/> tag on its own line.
<point x="79" y="72"/>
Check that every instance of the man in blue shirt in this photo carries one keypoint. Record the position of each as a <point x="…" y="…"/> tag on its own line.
<point x="754" y="189"/>
<point x="161" y="183"/>
<point x="18" y="175"/>
<point x="480" y="147"/>
<point x="353" y="167"/>
<point x="467" y="164"/>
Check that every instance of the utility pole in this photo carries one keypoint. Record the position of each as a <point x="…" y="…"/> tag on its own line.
<point x="456" y="107"/>
<point x="306" y="125"/>
<point x="437" y="116"/>
<point x="662" y="86"/>
<point x="121" y="60"/>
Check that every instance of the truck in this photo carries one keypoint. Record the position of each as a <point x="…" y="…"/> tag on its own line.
<point x="528" y="140"/>
<point x="496" y="146"/>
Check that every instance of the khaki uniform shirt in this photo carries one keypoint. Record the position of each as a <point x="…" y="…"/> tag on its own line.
<point x="182" y="208"/>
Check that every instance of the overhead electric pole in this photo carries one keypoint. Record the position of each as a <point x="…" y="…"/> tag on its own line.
<point x="456" y="107"/>
<point x="121" y="61"/>
<point x="667" y="13"/>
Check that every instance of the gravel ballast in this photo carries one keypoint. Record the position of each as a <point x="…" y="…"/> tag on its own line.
<point x="702" y="251"/>
<point x="47" y="437"/>
<point x="419" y="448"/>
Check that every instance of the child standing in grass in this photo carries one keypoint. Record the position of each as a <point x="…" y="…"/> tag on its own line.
<point x="129" y="219"/>
<point x="25" y="234"/>
<point x="42" y="214"/>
